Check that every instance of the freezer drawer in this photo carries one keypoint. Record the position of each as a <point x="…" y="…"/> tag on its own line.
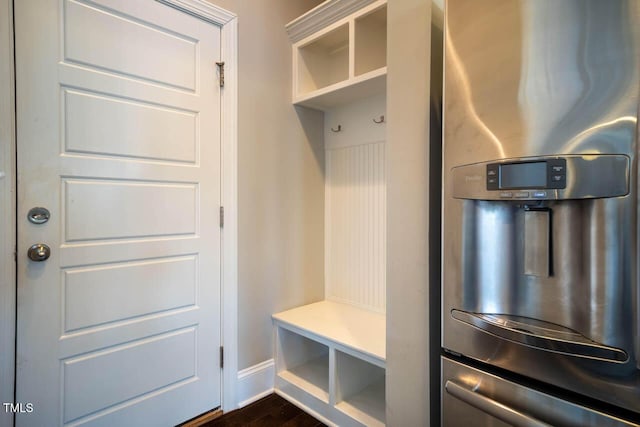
<point x="471" y="397"/>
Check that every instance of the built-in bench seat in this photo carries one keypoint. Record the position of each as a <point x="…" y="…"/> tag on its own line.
<point x="330" y="360"/>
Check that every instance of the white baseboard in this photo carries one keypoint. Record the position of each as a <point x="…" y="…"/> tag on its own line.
<point x="255" y="382"/>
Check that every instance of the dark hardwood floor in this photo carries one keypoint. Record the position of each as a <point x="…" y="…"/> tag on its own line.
<point x="271" y="411"/>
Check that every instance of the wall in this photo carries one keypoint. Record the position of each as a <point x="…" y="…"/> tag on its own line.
<point x="280" y="178"/>
<point x="7" y="213"/>
<point x="408" y="214"/>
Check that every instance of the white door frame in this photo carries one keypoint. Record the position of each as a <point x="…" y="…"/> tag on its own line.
<point x="7" y="212"/>
<point x="227" y="22"/>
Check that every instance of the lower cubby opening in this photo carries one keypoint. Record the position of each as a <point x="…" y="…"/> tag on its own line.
<point x="330" y="361"/>
<point x="360" y="389"/>
<point x="303" y="363"/>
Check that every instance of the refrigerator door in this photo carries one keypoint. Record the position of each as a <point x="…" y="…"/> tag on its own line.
<point x="471" y="397"/>
<point x="540" y="200"/>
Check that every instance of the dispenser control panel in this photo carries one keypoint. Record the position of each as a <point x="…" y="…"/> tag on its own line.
<point x="570" y="176"/>
<point x="545" y="174"/>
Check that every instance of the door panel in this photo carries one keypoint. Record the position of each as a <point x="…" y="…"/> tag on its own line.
<point x="114" y="41"/>
<point x="118" y="125"/>
<point x="162" y="126"/>
<point x="92" y="296"/>
<point x="124" y="209"/>
<point x="125" y="372"/>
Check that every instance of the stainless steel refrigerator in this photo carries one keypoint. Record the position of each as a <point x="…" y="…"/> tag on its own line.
<point x="540" y="295"/>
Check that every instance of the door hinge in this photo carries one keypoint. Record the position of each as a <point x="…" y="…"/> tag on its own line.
<point x="221" y="216"/>
<point x="221" y="70"/>
<point x="221" y="357"/>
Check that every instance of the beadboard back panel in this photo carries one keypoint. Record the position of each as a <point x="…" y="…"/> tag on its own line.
<point x="355" y="224"/>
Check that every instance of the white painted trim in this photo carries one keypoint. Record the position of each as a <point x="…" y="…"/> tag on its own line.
<point x="203" y="10"/>
<point x="315" y="414"/>
<point x="322" y="16"/>
<point x="7" y="212"/>
<point x="229" y="145"/>
<point x="230" y="202"/>
<point x="256" y="382"/>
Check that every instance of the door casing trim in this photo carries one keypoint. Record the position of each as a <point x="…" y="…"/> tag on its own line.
<point x="7" y="212"/>
<point x="227" y="22"/>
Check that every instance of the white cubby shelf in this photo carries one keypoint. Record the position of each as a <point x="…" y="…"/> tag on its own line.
<point x="330" y="359"/>
<point x="344" y="61"/>
<point x="330" y="355"/>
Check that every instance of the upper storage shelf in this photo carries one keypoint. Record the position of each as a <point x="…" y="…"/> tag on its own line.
<point x="371" y="41"/>
<point x="324" y="61"/>
<point x="339" y="52"/>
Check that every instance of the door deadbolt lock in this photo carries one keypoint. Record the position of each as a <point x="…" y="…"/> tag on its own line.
<point x="39" y="252"/>
<point x="38" y="215"/>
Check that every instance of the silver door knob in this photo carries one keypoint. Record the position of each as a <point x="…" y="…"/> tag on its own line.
<point x="38" y="215"/>
<point x="39" y="252"/>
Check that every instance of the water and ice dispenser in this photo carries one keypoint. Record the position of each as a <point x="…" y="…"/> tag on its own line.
<point x="542" y="247"/>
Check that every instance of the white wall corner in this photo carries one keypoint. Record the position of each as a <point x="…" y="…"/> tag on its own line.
<point x="256" y="382"/>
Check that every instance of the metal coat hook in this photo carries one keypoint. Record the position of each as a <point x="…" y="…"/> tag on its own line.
<point x="381" y="120"/>
<point x="337" y="130"/>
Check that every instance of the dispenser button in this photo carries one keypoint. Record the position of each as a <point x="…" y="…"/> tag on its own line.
<point x="540" y="194"/>
<point x="506" y="194"/>
<point x="522" y="194"/>
<point x="557" y="173"/>
<point x="492" y="176"/>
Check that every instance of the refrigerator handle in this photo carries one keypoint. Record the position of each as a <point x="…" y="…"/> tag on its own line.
<point x="492" y="407"/>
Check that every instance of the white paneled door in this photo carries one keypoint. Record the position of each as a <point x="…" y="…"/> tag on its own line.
<point x="118" y="135"/>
